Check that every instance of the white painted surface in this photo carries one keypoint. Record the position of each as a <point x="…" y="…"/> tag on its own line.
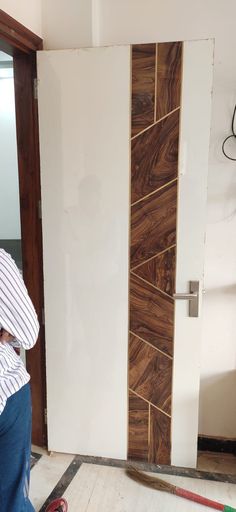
<point x="27" y="13"/>
<point x="9" y="184"/>
<point x="45" y="475"/>
<point x="67" y="24"/>
<point x="130" y="21"/>
<point x="84" y="138"/>
<point x="191" y="226"/>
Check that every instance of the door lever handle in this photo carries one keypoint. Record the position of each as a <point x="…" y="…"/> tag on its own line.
<point x="193" y="297"/>
<point x="185" y="296"/>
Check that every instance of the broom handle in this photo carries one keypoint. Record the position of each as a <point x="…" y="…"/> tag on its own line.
<point x="199" y="499"/>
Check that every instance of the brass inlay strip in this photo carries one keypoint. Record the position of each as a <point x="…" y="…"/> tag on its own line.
<point x="149" y="426"/>
<point x="153" y="285"/>
<point x="150" y="403"/>
<point x="152" y="257"/>
<point x="150" y="345"/>
<point x="154" y="191"/>
<point x="158" y="121"/>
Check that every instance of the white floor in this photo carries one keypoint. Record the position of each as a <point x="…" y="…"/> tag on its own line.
<point x="45" y="475"/>
<point x="107" y="489"/>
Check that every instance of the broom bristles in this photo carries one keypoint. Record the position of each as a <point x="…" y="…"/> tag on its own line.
<point x="149" y="481"/>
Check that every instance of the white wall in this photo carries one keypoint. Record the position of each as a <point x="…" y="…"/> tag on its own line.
<point x="26" y="12"/>
<point x="67" y="24"/>
<point x="129" y="21"/>
<point x="9" y="204"/>
<point x="63" y="24"/>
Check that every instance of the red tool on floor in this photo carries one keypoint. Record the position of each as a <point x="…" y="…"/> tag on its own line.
<point x="59" y="505"/>
<point x="161" y="485"/>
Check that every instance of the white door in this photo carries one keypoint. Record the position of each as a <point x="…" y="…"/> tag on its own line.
<point x="84" y="103"/>
<point x="84" y="114"/>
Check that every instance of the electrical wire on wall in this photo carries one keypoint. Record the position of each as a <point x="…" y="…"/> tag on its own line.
<point x="232" y="136"/>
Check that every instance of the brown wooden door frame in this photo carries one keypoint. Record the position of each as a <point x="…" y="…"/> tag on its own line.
<point x="22" y="44"/>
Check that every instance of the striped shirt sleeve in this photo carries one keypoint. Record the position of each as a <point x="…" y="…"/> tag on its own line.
<point x="17" y="313"/>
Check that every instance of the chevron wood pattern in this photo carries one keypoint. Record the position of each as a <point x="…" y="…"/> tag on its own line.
<point x="160" y="271"/>
<point x="150" y="373"/>
<point x="154" y="168"/>
<point x="153" y="224"/>
<point x="151" y="315"/>
<point x="156" y="92"/>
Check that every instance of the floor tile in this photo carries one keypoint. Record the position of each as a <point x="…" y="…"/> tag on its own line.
<point x="106" y="489"/>
<point x="45" y="475"/>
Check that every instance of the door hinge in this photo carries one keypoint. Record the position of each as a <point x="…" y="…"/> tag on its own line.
<point x="45" y="416"/>
<point x="36" y="88"/>
<point x="40" y="209"/>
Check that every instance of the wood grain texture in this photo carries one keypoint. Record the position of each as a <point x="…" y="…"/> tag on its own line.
<point x="154" y="173"/>
<point x="138" y="428"/>
<point x="160" y="271"/>
<point x="169" y="69"/>
<point x="31" y="229"/>
<point x="151" y="315"/>
<point x="153" y="224"/>
<point x="160" y="437"/>
<point x="143" y="86"/>
<point x="150" y="373"/>
<point x="15" y="37"/>
<point x="20" y="42"/>
<point x="156" y="167"/>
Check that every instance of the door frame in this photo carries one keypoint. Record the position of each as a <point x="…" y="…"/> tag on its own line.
<point x="22" y="44"/>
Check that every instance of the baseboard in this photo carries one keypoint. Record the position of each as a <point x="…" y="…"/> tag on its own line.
<point x="215" y="444"/>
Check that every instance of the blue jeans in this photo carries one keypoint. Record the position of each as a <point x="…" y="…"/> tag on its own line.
<point x="15" y="449"/>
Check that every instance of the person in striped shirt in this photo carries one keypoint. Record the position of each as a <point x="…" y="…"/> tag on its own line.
<point x="18" y="324"/>
<point x="19" y="327"/>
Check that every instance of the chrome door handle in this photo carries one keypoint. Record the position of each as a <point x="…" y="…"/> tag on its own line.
<point x="193" y="297"/>
<point x="185" y="296"/>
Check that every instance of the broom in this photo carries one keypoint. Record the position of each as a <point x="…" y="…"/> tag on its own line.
<point x="161" y="485"/>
